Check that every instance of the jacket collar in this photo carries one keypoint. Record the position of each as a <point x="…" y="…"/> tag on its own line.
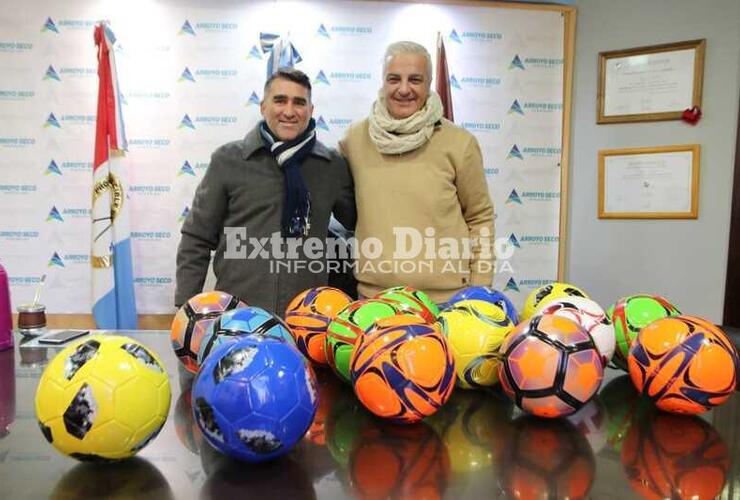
<point x="253" y="143"/>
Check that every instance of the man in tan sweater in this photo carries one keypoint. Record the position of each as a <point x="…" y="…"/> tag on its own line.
<point x="424" y="213"/>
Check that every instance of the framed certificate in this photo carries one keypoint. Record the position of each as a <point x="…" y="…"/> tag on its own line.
<point x="649" y="183"/>
<point x="650" y="83"/>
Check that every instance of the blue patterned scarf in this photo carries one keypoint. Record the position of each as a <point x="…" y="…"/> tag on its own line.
<point x="290" y="155"/>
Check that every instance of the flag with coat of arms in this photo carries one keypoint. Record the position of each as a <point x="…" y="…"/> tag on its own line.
<point x="114" y="303"/>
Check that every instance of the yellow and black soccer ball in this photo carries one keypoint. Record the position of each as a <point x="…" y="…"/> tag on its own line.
<point x="103" y="398"/>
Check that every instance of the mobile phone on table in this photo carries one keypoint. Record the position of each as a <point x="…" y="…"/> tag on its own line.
<point x="62" y="336"/>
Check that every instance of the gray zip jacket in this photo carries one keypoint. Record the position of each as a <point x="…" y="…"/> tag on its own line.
<point x="243" y="187"/>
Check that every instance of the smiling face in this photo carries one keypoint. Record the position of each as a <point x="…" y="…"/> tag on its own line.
<point x="406" y="84"/>
<point x="286" y="108"/>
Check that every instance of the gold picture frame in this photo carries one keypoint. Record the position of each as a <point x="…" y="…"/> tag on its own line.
<point x="649" y="183"/>
<point x="652" y="83"/>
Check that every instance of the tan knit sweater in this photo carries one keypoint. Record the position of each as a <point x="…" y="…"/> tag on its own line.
<point x="440" y="186"/>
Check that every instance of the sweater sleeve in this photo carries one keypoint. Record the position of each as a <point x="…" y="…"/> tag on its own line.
<point x="344" y="207"/>
<point x="477" y="209"/>
<point x="200" y="233"/>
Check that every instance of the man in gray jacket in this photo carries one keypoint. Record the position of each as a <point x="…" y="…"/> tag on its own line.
<point x="263" y="197"/>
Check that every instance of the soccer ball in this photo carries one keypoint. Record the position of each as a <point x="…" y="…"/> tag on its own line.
<point x="350" y="324"/>
<point x="552" y="366"/>
<point x="684" y="364"/>
<point x="412" y="300"/>
<point x="404" y="373"/>
<point x="242" y="321"/>
<point x="675" y="456"/>
<point x="254" y="398"/>
<point x="629" y="315"/>
<point x="590" y="316"/>
<point x="547" y="293"/>
<point x="308" y="315"/>
<point x="103" y="398"/>
<point x="487" y="294"/>
<point x="192" y="321"/>
<point x="474" y="330"/>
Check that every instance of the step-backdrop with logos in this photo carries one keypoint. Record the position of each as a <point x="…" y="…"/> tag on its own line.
<point x="192" y="79"/>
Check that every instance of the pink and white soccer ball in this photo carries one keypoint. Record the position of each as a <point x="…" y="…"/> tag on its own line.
<point x="590" y="316"/>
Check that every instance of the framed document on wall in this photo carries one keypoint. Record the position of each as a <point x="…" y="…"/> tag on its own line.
<point x="650" y="83"/>
<point x="649" y="183"/>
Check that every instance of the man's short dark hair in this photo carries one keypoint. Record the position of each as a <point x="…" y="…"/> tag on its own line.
<point x="293" y="75"/>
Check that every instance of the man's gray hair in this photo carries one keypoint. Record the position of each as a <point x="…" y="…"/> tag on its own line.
<point x="407" y="47"/>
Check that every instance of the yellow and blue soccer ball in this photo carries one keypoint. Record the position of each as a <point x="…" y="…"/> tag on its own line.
<point x="103" y="398"/>
<point x="475" y="330"/>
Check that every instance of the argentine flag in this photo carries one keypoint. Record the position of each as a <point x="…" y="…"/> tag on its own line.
<point x="114" y="304"/>
<point x="282" y="53"/>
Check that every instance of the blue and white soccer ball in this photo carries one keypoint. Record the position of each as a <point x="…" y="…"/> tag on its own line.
<point x="255" y="398"/>
<point x="242" y="321"/>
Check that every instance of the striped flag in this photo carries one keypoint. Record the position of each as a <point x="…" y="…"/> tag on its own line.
<point x="114" y="304"/>
<point x="442" y="77"/>
<point x="282" y="53"/>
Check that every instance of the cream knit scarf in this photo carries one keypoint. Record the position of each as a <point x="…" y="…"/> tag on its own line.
<point x="392" y="136"/>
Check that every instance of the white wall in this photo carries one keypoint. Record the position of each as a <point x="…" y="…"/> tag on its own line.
<point x="683" y="260"/>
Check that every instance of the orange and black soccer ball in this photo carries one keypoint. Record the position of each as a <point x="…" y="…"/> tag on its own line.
<point x="191" y="323"/>
<point x="684" y="364"/>
<point x="308" y="315"/>
<point x="551" y="366"/>
<point x="403" y="373"/>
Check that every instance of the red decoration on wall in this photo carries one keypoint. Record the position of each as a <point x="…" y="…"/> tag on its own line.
<point x="691" y="115"/>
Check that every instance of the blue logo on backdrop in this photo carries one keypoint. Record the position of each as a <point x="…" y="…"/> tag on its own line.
<point x="24" y="280"/>
<point x="186" y="29"/>
<point x="321" y="78"/>
<point x="511" y="286"/>
<point x="254" y="53"/>
<point x="219" y="27"/>
<point x="479" y="81"/>
<point x="55" y="261"/>
<point x="543" y="62"/>
<point x="186" y="169"/>
<point x="513" y="241"/>
<point x="350" y="76"/>
<point x="322" y="31"/>
<point x="254" y="99"/>
<point x="516" y="63"/>
<point x="515" y="108"/>
<point x="184" y="214"/>
<point x="51" y="74"/>
<point x="147" y="95"/>
<point x="491" y="171"/>
<point x="320" y="123"/>
<point x="213" y="73"/>
<point x="51" y="121"/>
<point x="343" y="30"/>
<point x="78" y="119"/>
<point x="49" y="26"/>
<point x="54" y="215"/>
<point x="514" y="153"/>
<point x="514" y="197"/>
<point x="53" y="168"/>
<point x="186" y="122"/>
<point x="475" y="36"/>
<point x="454" y="83"/>
<point x="186" y="75"/>
<point x="542" y="107"/>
